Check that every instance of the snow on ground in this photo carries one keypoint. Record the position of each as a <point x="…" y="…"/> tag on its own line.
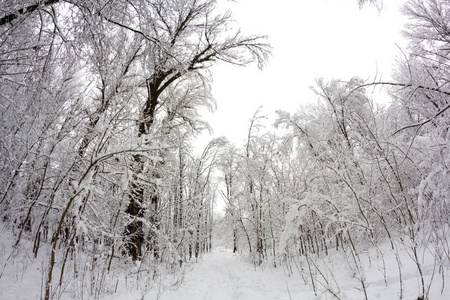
<point x="20" y="275"/>
<point x="222" y="275"/>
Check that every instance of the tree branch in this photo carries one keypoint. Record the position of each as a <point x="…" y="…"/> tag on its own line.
<point x="26" y="10"/>
<point x="420" y="124"/>
<point x="402" y="85"/>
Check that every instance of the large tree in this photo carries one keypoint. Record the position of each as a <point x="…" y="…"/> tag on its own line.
<point x="182" y="39"/>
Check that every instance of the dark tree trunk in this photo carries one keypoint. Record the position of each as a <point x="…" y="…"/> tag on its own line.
<point x="134" y="230"/>
<point x="136" y="211"/>
<point x="154" y="221"/>
<point x="235" y="240"/>
<point x="26" y="10"/>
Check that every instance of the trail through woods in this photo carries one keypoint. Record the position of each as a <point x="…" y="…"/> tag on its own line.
<point x="222" y="275"/>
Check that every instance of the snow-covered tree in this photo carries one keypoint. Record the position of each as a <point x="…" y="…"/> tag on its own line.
<point x="95" y="98"/>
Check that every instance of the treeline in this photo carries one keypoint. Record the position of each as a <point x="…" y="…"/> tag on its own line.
<point x="346" y="175"/>
<point x="99" y="106"/>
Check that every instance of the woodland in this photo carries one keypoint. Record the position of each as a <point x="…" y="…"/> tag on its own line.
<point x="99" y="109"/>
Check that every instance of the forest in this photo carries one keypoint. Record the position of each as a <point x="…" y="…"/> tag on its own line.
<point x="100" y="108"/>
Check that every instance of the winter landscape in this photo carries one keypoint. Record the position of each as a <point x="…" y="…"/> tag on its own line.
<point x="111" y="187"/>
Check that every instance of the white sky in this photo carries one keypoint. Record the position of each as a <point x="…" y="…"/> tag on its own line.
<point x="310" y="39"/>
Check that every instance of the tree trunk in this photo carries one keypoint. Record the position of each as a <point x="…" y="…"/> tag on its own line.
<point x="135" y="230"/>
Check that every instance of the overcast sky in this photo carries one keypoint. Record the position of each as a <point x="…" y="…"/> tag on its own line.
<point x="310" y="39"/>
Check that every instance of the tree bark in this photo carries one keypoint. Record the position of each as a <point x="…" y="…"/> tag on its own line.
<point x="135" y="229"/>
<point x="8" y="19"/>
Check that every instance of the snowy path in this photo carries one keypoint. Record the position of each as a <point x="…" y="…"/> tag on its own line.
<point x="222" y="276"/>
